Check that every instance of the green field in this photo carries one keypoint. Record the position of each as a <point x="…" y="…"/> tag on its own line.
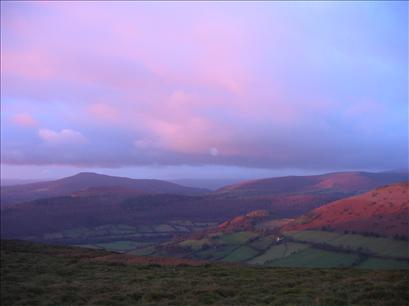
<point x="237" y="238"/>
<point x="302" y="248"/>
<point x="241" y="254"/>
<point x="262" y="243"/>
<point x="145" y="251"/>
<point x="372" y="245"/>
<point x="306" y="248"/>
<point x="42" y="275"/>
<point x="120" y="246"/>
<point x="217" y="241"/>
<point x="194" y="245"/>
<point x="316" y="258"/>
<point x="215" y="253"/>
<point x="112" y="236"/>
<point x="378" y="263"/>
<point x="278" y="251"/>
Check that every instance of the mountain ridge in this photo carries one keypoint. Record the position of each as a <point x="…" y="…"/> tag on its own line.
<point x="85" y="180"/>
<point x="341" y="181"/>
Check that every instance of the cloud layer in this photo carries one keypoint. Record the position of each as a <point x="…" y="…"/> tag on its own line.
<point x="270" y="85"/>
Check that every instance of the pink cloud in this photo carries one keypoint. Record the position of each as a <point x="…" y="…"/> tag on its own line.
<point x="65" y="136"/>
<point x="103" y="112"/>
<point x="24" y="119"/>
<point x="33" y="64"/>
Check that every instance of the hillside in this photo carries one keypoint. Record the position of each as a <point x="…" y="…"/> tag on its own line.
<point x="92" y="208"/>
<point x="244" y="223"/>
<point x="33" y="274"/>
<point x="84" y="180"/>
<point x="383" y="211"/>
<point x="343" y="182"/>
<point x="89" y="211"/>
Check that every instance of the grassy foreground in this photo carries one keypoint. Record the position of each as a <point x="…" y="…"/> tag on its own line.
<point x="33" y="274"/>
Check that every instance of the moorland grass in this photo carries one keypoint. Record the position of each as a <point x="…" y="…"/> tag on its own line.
<point x="34" y="274"/>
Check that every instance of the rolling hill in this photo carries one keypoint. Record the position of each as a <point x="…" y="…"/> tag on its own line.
<point x="383" y="211"/>
<point x="85" y="180"/>
<point x="342" y="182"/>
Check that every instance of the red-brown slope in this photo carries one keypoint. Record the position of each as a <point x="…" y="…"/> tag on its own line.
<point x="382" y="211"/>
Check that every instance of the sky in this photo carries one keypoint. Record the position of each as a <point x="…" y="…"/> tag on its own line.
<point x="203" y="89"/>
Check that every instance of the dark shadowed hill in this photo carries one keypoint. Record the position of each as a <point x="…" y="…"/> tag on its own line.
<point x="82" y="181"/>
<point x="382" y="211"/>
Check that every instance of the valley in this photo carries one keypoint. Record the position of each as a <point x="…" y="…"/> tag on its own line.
<point x="279" y="222"/>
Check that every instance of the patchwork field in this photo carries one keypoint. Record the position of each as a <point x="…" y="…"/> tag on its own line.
<point x="243" y="253"/>
<point x="317" y="249"/>
<point x="34" y="274"/>
<point x="120" y="246"/>
<point x="278" y="251"/>
<point x="310" y="248"/>
<point x="122" y="237"/>
<point x="371" y="245"/>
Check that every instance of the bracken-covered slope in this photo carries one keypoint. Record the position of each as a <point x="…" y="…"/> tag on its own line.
<point x="83" y="181"/>
<point x="382" y="211"/>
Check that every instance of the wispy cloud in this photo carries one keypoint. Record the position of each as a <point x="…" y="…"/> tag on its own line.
<point x="65" y="136"/>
